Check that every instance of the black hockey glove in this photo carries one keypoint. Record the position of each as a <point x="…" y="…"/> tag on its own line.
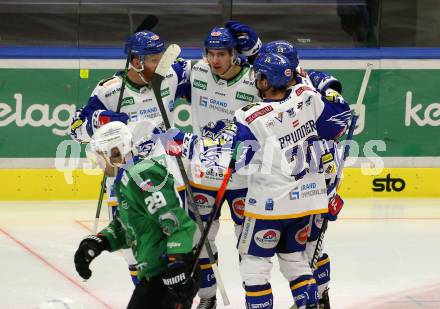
<point x="178" y="280"/>
<point x="89" y="248"/>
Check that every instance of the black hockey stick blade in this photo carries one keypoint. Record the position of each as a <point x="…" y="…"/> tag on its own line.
<point x="148" y="23"/>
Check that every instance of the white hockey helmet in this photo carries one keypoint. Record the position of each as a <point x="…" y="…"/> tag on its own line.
<point x="112" y="135"/>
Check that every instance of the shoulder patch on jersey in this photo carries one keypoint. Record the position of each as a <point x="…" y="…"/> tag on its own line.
<point x="248" y="107"/>
<point x="301" y="89"/>
<point x="261" y="112"/>
<point x="108" y="81"/>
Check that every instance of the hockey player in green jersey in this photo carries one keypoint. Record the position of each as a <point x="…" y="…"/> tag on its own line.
<point x="150" y="221"/>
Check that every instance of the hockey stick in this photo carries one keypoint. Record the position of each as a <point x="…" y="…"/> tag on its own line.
<point x="147" y="24"/>
<point x="164" y="65"/>
<point x="354" y="118"/>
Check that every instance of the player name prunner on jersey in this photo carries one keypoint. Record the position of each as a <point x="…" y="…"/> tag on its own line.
<point x="287" y="181"/>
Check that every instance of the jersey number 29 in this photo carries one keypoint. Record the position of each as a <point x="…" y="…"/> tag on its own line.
<point x="154" y="202"/>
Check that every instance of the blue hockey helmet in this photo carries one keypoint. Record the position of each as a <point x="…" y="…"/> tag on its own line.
<point x="144" y="43"/>
<point x="284" y="48"/>
<point x="220" y="38"/>
<point x="275" y="67"/>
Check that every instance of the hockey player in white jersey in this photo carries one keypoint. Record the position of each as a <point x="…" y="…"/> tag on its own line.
<point x="219" y="86"/>
<point x="285" y="190"/>
<point x="331" y="89"/>
<point x="138" y="102"/>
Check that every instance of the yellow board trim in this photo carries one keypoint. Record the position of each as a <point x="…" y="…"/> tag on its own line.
<point x="51" y="184"/>
<point x="302" y="283"/>
<point x="259" y="293"/>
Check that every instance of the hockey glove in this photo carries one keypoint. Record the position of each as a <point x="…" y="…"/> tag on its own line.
<point x="248" y="42"/>
<point x="334" y="207"/>
<point x="323" y="81"/>
<point x="78" y="128"/>
<point x="178" y="143"/>
<point x="178" y="280"/>
<point x="89" y="248"/>
<point x="145" y="145"/>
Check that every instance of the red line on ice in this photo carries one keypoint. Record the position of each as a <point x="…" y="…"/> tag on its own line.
<point x="54" y="268"/>
<point x="84" y="225"/>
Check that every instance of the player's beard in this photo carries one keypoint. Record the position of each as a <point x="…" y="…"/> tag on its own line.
<point x="262" y="91"/>
<point x="146" y="75"/>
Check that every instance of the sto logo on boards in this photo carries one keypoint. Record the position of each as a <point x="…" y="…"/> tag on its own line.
<point x="388" y="184"/>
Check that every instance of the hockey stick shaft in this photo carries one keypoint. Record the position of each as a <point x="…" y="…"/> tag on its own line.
<point x="318" y="248"/>
<point x="161" y="70"/>
<point x="361" y="95"/>
<point x="147" y="24"/>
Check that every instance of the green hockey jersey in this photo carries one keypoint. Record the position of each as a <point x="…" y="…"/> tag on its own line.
<point x="149" y="218"/>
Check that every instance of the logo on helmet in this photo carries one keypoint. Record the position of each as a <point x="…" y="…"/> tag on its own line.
<point x="216" y="33"/>
<point x="155" y="37"/>
<point x="288" y="72"/>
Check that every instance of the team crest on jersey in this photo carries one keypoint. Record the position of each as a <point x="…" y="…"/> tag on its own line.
<point x="261" y="112"/>
<point x="291" y="112"/>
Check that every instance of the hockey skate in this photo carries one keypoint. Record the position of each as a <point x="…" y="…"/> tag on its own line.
<point x="208" y="303"/>
<point x="324" y="301"/>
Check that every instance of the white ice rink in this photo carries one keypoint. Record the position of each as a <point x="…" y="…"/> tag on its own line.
<point x="384" y="253"/>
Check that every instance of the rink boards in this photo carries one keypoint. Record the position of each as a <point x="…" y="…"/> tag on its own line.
<point x="398" y="122"/>
<point x="51" y="184"/>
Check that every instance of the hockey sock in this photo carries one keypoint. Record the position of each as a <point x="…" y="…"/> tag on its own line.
<point x="304" y="291"/>
<point x="133" y="274"/>
<point x="322" y="274"/>
<point x="208" y="284"/>
<point x="259" y="296"/>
